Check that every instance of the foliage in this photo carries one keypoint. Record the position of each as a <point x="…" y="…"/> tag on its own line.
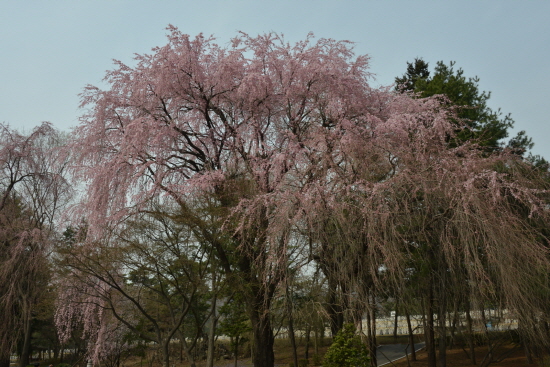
<point x="223" y="127"/>
<point x="346" y="350"/>
<point x="150" y="283"/>
<point x="268" y="152"/>
<point x="234" y="322"/>
<point x="32" y="190"/>
<point x="475" y="119"/>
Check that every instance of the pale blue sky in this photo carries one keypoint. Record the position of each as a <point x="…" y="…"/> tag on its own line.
<point x="49" y="50"/>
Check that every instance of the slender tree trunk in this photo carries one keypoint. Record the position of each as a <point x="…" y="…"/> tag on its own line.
<point x="308" y="338"/>
<point x="429" y="332"/>
<point x="371" y="327"/>
<point x="441" y="293"/>
<point x="236" y="350"/>
<point x="442" y="331"/>
<point x="187" y="351"/>
<point x="165" y="349"/>
<point x="316" y="341"/>
<point x="471" y="341"/>
<point x="291" y="334"/>
<point x="452" y="329"/>
<point x="411" y="333"/>
<point x="395" y="320"/>
<point x="292" y="337"/>
<point x="27" y="332"/>
<point x="213" y="324"/>
<point x="211" y="342"/>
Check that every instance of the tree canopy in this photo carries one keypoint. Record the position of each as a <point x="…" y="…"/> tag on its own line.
<point x="272" y="152"/>
<point x="475" y="119"/>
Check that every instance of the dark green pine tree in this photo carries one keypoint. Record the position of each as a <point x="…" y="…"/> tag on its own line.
<point x="476" y="121"/>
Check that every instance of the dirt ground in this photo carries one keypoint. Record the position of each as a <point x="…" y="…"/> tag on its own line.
<point x="457" y="358"/>
<point x="515" y="357"/>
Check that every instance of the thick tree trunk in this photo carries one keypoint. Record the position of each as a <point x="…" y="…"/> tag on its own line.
<point x="334" y="307"/>
<point x="262" y="353"/>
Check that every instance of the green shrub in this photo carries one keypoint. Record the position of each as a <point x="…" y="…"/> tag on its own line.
<point x="346" y="350"/>
<point x="303" y="363"/>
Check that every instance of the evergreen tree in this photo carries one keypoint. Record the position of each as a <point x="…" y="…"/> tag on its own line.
<point x="476" y="120"/>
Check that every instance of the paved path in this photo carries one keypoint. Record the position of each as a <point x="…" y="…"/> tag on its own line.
<point x="392" y="352"/>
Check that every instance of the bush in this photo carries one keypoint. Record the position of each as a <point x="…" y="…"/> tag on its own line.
<point x="346" y="350"/>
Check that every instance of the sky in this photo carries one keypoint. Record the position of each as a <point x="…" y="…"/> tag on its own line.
<point x="50" y="50"/>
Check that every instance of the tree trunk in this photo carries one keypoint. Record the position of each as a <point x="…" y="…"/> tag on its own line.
<point x="411" y="334"/>
<point x="236" y="351"/>
<point x="292" y="337"/>
<point x="316" y="341"/>
<point x="471" y="341"/>
<point x="334" y="307"/>
<point x="308" y="338"/>
<point x="395" y="320"/>
<point x="212" y="330"/>
<point x="187" y="351"/>
<point x="371" y="328"/>
<point x="262" y="352"/>
<point x="165" y="353"/>
<point x="24" y="359"/>
<point x="442" y="330"/>
<point x="442" y="313"/>
<point x="429" y="332"/>
<point x="291" y="334"/>
<point x="452" y="329"/>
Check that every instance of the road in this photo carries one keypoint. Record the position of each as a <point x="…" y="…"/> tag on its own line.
<point x="391" y="352"/>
